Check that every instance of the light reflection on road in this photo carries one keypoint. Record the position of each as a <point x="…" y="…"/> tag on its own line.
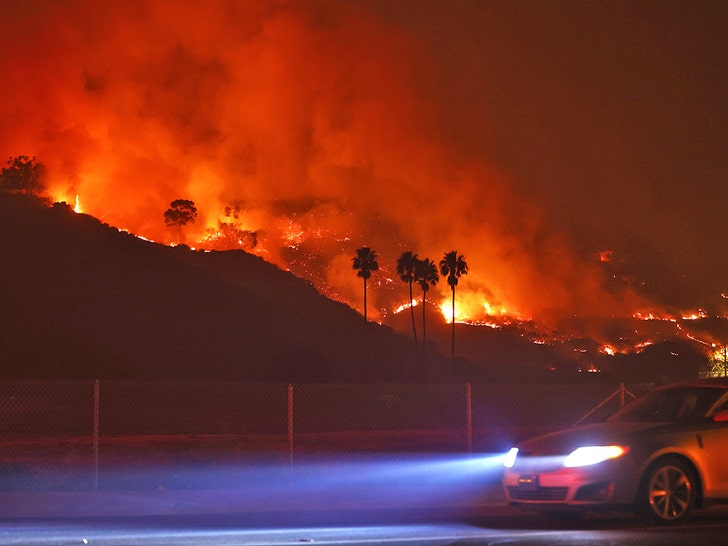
<point x="514" y="531"/>
<point x="414" y="499"/>
<point x="514" y="528"/>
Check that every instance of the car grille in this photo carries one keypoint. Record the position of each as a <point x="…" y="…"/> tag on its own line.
<point x="540" y="494"/>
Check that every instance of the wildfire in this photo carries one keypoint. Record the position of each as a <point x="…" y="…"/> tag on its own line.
<point x="294" y="234"/>
<point x="639" y="347"/>
<point x="695" y="338"/>
<point x="611" y="349"/>
<point x="406" y="306"/>
<point x="687" y="315"/>
<point x="302" y="163"/>
<point x="460" y="315"/>
<point x="472" y="307"/>
<point x="606" y="255"/>
<point x="293" y="144"/>
<point x="653" y="316"/>
<point x="697" y="315"/>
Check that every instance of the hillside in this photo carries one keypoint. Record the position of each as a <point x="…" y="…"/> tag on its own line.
<point x="80" y="299"/>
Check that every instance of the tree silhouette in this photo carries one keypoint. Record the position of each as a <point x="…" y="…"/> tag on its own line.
<point x="406" y="269"/>
<point x="453" y="266"/>
<point x="426" y="274"/>
<point x="365" y="262"/>
<point x="180" y="213"/>
<point x="24" y="175"/>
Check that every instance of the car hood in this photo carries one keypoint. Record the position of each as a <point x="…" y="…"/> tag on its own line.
<point x="565" y="441"/>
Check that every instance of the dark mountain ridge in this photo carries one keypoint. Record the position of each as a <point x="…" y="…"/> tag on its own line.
<point x="83" y="299"/>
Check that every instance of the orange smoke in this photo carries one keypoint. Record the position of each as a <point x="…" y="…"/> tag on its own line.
<point x="300" y="130"/>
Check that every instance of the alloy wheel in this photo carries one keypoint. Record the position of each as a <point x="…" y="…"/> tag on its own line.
<point x="670" y="492"/>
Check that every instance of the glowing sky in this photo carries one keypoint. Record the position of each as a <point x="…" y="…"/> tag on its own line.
<point x="613" y="116"/>
<point x="529" y="136"/>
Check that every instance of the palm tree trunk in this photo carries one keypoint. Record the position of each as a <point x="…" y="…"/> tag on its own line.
<point x="366" y="324"/>
<point x="412" y="313"/>
<point x="453" y="325"/>
<point x="424" y="325"/>
<point x="424" y="335"/>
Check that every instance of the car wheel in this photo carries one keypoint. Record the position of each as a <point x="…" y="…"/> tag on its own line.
<point x="668" y="491"/>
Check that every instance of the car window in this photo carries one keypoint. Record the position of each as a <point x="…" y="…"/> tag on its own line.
<point x="670" y="405"/>
<point x="723" y="406"/>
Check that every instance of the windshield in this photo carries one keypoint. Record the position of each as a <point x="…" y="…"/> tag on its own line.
<point x="676" y="404"/>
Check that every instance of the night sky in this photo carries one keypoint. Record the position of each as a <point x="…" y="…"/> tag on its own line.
<point x="532" y="136"/>
<point x="613" y="116"/>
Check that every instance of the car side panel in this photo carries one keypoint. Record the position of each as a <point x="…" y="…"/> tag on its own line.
<point x="714" y="460"/>
<point x="705" y="445"/>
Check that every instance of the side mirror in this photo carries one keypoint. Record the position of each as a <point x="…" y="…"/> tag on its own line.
<point x="721" y="416"/>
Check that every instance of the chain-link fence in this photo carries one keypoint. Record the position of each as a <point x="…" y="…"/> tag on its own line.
<point x="80" y="435"/>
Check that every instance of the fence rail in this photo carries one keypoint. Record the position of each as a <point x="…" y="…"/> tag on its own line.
<point x="48" y="428"/>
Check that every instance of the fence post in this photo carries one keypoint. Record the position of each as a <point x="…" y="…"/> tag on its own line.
<point x="290" y="425"/>
<point x="469" y="406"/>
<point x="96" y="434"/>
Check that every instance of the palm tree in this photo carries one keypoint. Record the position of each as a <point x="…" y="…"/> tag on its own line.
<point x="426" y="274"/>
<point x="406" y="269"/>
<point x="453" y="266"/>
<point x="365" y="262"/>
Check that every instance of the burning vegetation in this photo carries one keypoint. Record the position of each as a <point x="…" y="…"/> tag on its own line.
<point x="264" y="127"/>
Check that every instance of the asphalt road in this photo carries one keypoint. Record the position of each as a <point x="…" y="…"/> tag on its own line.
<point x="433" y="500"/>
<point x="504" y="526"/>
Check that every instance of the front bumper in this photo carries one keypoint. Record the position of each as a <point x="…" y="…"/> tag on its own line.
<point x="607" y="484"/>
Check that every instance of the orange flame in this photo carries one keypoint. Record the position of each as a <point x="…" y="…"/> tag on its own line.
<point x="320" y="142"/>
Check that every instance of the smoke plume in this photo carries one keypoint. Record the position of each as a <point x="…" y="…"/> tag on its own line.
<point x="301" y="131"/>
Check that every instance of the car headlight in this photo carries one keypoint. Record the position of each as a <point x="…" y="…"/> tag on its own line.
<point x="510" y="459"/>
<point x="585" y="456"/>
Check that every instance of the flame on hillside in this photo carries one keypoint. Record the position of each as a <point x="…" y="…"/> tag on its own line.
<point x="296" y="139"/>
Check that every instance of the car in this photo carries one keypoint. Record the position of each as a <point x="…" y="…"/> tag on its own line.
<point x="660" y="456"/>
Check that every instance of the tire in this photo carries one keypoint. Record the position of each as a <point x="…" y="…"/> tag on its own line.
<point x="668" y="491"/>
